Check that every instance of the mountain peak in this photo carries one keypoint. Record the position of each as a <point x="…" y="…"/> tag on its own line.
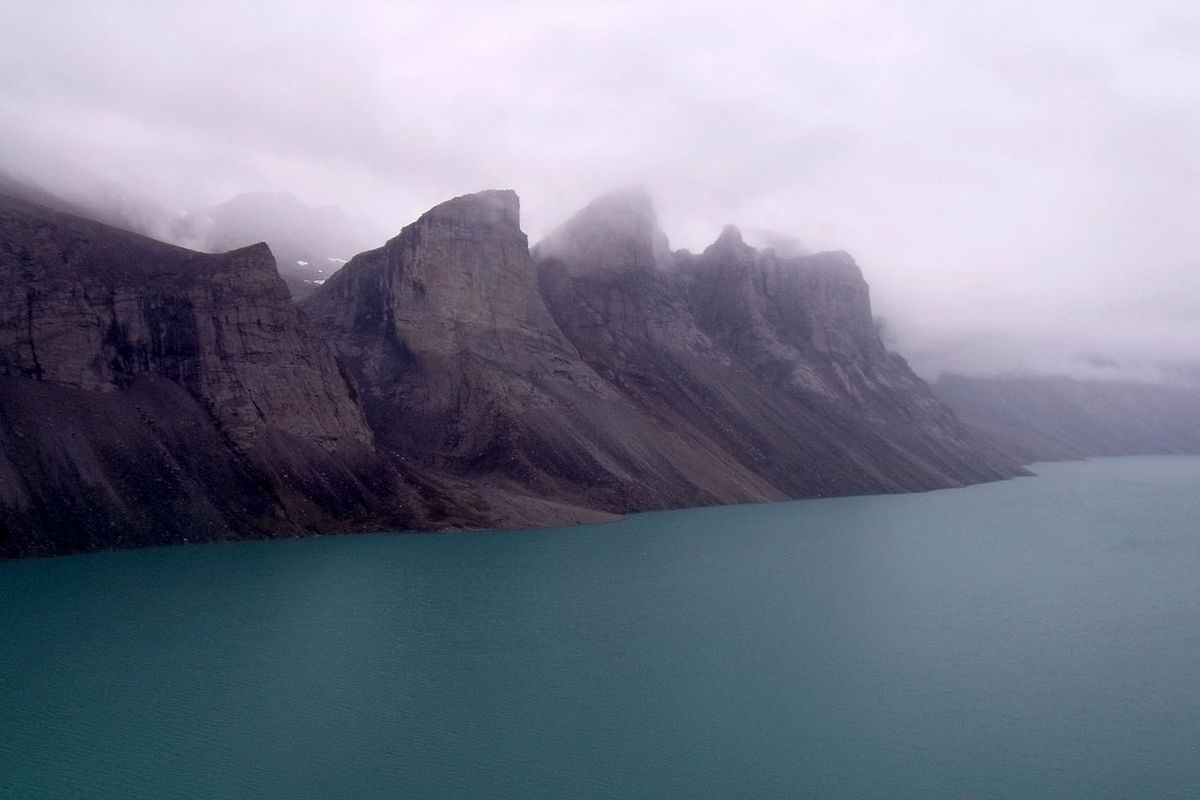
<point x="730" y="235"/>
<point x="616" y="232"/>
<point x="632" y="199"/>
<point x="491" y="207"/>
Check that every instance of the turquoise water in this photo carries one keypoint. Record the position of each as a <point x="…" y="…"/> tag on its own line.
<point x="1038" y="638"/>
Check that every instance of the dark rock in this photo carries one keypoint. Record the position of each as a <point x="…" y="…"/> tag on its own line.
<point x="619" y="377"/>
<point x="118" y="351"/>
<point x="151" y="394"/>
<point x="775" y="363"/>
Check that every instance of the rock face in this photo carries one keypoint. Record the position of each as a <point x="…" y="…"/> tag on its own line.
<point x="607" y="373"/>
<point x="463" y="370"/>
<point x="450" y="378"/>
<point x="803" y="325"/>
<point x="445" y="332"/>
<point x="124" y="357"/>
<point x="1056" y="418"/>
<point x="92" y="309"/>
<point x="777" y="359"/>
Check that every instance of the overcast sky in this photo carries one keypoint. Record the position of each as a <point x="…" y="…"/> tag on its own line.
<point x="1020" y="182"/>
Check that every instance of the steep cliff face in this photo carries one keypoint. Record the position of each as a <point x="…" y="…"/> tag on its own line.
<point x="463" y="370"/>
<point x="616" y="376"/>
<point x="449" y="378"/>
<point x="803" y="325"/>
<point x="98" y="323"/>
<point x="776" y="361"/>
<point x="446" y="333"/>
<point x="91" y="307"/>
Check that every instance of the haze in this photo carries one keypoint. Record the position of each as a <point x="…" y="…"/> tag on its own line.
<point x="1020" y="183"/>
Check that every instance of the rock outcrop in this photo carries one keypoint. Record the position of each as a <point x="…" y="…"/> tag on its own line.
<point x="124" y="357"/>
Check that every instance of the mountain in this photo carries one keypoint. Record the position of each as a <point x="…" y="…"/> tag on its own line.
<point x="462" y="368"/>
<point x="602" y="370"/>
<point x="450" y="378"/>
<point x="151" y="394"/>
<point x="1057" y="418"/>
<point x="310" y="244"/>
<point x="86" y="195"/>
<point x="773" y="362"/>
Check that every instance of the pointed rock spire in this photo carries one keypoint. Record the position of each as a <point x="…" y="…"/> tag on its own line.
<point x="730" y="235"/>
<point x="489" y="208"/>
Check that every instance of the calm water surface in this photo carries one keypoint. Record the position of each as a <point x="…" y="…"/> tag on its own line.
<point x="1038" y="638"/>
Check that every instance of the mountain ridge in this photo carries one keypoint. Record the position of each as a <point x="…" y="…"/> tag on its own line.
<point x="451" y="378"/>
<point x="1055" y="418"/>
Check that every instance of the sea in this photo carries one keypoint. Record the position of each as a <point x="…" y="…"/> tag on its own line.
<point x="1032" y="638"/>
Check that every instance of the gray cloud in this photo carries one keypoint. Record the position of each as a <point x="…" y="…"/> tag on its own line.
<point x="1019" y="182"/>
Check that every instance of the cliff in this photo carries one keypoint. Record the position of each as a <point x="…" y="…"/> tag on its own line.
<point x="608" y="373"/>
<point x="151" y="393"/>
<point x="463" y="369"/>
<point x="449" y="378"/>
<point x="775" y="361"/>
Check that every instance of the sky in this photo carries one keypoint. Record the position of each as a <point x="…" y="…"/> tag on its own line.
<point x="1019" y="181"/>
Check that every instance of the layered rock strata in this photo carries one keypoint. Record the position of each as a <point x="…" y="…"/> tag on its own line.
<point x="151" y="393"/>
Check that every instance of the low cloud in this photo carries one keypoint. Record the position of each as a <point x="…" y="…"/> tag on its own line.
<point x="1020" y="183"/>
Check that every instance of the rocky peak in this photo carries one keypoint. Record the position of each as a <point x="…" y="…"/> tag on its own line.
<point x="459" y="278"/>
<point x="492" y="208"/>
<point x="730" y="237"/>
<point x="445" y="331"/>
<point x="616" y="232"/>
<point x="729" y="250"/>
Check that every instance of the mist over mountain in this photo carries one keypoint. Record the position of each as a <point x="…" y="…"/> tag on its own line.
<point x="1056" y="418"/>
<point x="580" y="372"/>
<point x="151" y="394"/>
<point x="83" y="193"/>
<point x="1018" y="177"/>
<point x="451" y="377"/>
<point x="309" y="244"/>
<point x="1017" y="182"/>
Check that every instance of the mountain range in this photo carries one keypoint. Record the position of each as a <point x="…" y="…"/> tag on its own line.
<point x="309" y="244"/>
<point x="1054" y="418"/>
<point x="452" y="378"/>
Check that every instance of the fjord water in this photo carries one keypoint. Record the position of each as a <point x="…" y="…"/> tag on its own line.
<point x="1036" y="638"/>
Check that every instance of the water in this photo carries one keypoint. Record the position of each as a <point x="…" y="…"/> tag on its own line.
<point x="1038" y="638"/>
